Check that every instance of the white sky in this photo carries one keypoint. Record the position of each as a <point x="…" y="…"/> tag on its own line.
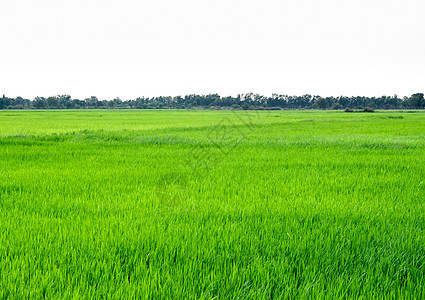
<point x="130" y="48"/>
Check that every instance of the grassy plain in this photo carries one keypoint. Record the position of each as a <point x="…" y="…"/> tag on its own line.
<point x="212" y="204"/>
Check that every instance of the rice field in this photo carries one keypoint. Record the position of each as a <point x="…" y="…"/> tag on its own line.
<point x="192" y="204"/>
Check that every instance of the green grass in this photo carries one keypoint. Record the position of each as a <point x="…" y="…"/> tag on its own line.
<point x="212" y="204"/>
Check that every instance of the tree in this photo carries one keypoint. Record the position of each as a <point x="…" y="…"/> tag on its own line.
<point x="64" y="101"/>
<point x="337" y="105"/>
<point x="245" y="101"/>
<point x="52" y="102"/>
<point x="39" y="102"/>
<point x="371" y="104"/>
<point x="417" y="100"/>
<point x="117" y="102"/>
<point x="92" y="102"/>
<point x="322" y="103"/>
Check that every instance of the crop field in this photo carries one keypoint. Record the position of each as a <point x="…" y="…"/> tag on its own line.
<point x="193" y="204"/>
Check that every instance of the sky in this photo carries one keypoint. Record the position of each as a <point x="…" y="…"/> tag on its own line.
<point x="130" y="48"/>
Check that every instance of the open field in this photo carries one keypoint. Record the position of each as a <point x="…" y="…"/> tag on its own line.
<point x="212" y="204"/>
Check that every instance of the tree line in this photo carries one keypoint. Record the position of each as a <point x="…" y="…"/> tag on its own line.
<point x="215" y="101"/>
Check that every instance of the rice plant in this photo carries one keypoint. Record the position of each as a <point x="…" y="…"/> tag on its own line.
<point x="211" y="204"/>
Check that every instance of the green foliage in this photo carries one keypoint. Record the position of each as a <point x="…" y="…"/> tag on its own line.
<point x="245" y="101"/>
<point x="211" y="205"/>
<point x="366" y="109"/>
<point x="52" y="102"/>
<point x="416" y="101"/>
<point x="371" y="105"/>
<point x="322" y="103"/>
<point x="39" y="102"/>
<point x="337" y="106"/>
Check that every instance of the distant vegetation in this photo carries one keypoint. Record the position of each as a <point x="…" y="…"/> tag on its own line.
<point x="215" y="101"/>
<point x="366" y="109"/>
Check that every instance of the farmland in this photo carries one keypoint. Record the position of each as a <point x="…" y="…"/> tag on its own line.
<point x="193" y="204"/>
